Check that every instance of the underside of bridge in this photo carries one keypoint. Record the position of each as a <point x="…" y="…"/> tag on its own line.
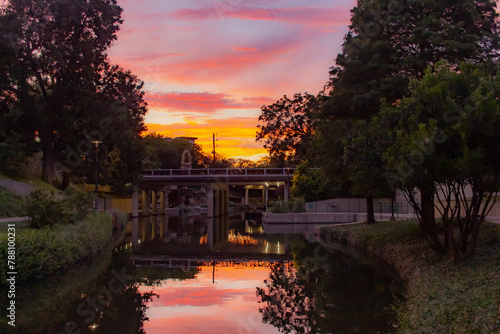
<point x="155" y="198"/>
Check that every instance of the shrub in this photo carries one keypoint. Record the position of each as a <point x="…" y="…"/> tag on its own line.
<point x="41" y="252"/>
<point x="44" y="209"/>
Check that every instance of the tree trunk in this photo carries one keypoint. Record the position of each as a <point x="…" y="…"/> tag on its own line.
<point x="370" y="213"/>
<point x="427" y="219"/>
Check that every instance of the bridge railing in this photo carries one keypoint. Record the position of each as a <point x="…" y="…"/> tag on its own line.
<point x="218" y="171"/>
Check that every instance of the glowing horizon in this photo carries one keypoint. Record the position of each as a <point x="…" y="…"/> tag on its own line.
<point x="209" y="66"/>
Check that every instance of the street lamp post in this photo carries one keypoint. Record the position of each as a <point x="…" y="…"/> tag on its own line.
<point x="96" y="173"/>
<point x="83" y="157"/>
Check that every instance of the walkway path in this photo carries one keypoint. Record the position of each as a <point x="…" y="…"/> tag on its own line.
<point x="21" y="189"/>
<point x="13" y="219"/>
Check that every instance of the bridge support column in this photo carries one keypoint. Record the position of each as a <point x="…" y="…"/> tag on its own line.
<point x="154" y="203"/>
<point x="263" y="196"/>
<point x="286" y="191"/>
<point x="266" y="196"/>
<point x="216" y="196"/>
<point x="217" y="200"/>
<point x="162" y="226"/>
<point x="135" y="232"/>
<point x="154" y="221"/>
<point x="144" y="229"/>
<point x="246" y="195"/>
<point x="135" y="203"/>
<point x="162" y="202"/>
<point x="145" y="203"/>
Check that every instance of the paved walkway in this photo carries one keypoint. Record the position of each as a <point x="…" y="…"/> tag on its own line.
<point x="22" y="189"/>
<point x="13" y="219"/>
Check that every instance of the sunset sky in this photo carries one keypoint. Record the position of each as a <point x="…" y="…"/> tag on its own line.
<point x="209" y="66"/>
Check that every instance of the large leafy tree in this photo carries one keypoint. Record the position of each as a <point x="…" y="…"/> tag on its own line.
<point x="62" y="89"/>
<point x="287" y="130"/>
<point x="389" y="43"/>
<point x="444" y="143"/>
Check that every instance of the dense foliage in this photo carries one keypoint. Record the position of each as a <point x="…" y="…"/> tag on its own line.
<point x="388" y="44"/>
<point x="287" y="127"/>
<point x="41" y="252"/>
<point x="46" y="209"/>
<point x="59" y="92"/>
<point x="444" y="143"/>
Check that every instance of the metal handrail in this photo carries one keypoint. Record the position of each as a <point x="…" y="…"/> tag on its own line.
<point x="219" y="172"/>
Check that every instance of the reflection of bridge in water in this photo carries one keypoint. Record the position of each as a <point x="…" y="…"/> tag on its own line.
<point x="200" y="235"/>
<point x="187" y="263"/>
<point x="154" y="184"/>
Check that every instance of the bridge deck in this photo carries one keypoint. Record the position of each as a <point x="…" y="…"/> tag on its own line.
<point x="218" y="175"/>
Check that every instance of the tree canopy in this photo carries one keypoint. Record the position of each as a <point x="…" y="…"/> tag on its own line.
<point x="388" y="44"/>
<point x="287" y="130"/>
<point x="60" y="89"/>
<point x="444" y="143"/>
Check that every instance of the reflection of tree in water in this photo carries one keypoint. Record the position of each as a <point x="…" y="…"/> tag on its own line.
<point x="126" y="312"/>
<point x="289" y="304"/>
<point x="334" y="292"/>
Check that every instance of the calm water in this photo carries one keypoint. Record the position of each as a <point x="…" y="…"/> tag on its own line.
<point x="193" y="275"/>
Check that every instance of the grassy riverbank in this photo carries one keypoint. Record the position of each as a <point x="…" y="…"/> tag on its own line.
<point x="442" y="296"/>
<point x="44" y="251"/>
<point x="11" y="205"/>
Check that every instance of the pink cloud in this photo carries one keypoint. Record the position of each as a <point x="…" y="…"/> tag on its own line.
<point x="311" y="16"/>
<point x="154" y="56"/>
<point x="203" y="102"/>
<point x="244" y="48"/>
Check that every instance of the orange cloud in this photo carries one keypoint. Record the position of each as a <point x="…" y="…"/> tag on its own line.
<point x="236" y="135"/>
<point x="203" y="102"/>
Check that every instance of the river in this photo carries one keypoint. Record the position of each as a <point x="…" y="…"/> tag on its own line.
<point x="190" y="274"/>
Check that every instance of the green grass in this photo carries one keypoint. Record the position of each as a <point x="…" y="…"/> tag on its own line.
<point x="48" y="250"/>
<point x="11" y="205"/>
<point x="443" y="296"/>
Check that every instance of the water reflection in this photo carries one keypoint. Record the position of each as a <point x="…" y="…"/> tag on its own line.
<point x="190" y="274"/>
<point x="199" y="235"/>
<point x="328" y="290"/>
<point x="220" y="299"/>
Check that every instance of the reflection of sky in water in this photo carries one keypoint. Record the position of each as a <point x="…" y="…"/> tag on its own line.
<point x="198" y="306"/>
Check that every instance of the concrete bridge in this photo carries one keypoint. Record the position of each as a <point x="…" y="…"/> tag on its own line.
<point x="216" y="181"/>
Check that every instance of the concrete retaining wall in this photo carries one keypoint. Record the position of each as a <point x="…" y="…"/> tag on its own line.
<point x="313" y="218"/>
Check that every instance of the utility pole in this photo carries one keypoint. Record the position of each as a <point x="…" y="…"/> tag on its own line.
<point x="213" y="142"/>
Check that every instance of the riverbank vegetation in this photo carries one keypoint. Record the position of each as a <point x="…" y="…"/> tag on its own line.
<point x="11" y="205"/>
<point x="40" y="252"/>
<point x="443" y="295"/>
